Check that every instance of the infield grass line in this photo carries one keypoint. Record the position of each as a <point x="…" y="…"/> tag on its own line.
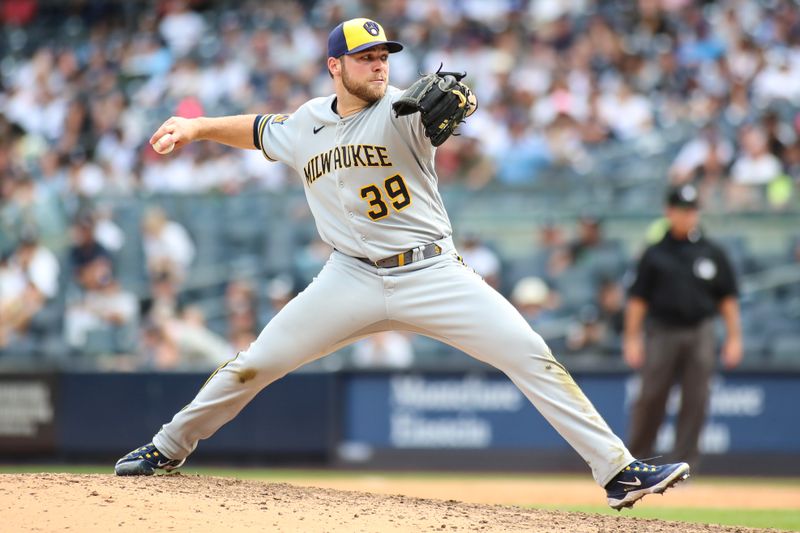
<point x="288" y="474"/>
<point x="783" y="519"/>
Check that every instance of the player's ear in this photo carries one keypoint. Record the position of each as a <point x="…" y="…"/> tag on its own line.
<point x="334" y="66"/>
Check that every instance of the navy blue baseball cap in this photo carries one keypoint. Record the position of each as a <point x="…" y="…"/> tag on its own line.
<point x="685" y="196"/>
<point x="355" y="35"/>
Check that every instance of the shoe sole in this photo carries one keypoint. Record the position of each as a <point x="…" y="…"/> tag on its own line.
<point x="141" y="468"/>
<point x="134" y="469"/>
<point x="680" y="474"/>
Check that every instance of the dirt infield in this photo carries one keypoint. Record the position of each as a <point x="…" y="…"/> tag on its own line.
<point x="105" y="503"/>
<point x="566" y="490"/>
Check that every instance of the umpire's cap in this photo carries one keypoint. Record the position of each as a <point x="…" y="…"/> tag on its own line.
<point x="355" y="35"/>
<point x="685" y="196"/>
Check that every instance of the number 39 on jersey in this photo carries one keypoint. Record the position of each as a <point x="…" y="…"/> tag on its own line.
<point x="394" y="187"/>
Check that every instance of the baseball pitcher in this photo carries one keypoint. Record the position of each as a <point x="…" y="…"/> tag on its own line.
<point x="365" y="156"/>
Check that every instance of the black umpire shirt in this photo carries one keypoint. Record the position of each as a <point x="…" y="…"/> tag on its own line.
<point x="683" y="281"/>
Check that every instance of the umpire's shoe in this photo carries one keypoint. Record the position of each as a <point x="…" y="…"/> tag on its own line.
<point x="144" y="461"/>
<point x="639" y="479"/>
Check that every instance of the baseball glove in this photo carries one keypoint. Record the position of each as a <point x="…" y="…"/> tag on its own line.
<point x="442" y="100"/>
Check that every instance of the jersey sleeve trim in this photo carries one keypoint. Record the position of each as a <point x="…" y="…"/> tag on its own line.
<point x="263" y="124"/>
<point x="256" y="137"/>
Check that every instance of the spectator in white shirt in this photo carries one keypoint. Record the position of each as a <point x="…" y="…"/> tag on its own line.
<point x="481" y="259"/>
<point x="779" y="80"/>
<point x="28" y="280"/>
<point x="167" y="245"/>
<point x="705" y="160"/>
<point x="103" y="305"/>
<point x="753" y="170"/>
<point x="695" y="155"/>
<point x="388" y="349"/>
<point x="181" y="27"/>
<point x="629" y="114"/>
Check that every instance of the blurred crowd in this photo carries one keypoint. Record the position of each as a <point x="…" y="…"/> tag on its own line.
<point x="83" y="83"/>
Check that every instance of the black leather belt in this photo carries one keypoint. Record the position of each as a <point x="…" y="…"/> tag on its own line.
<point x="406" y="258"/>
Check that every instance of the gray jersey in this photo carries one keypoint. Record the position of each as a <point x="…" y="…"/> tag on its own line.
<point x="369" y="177"/>
<point x="370" y="182"/>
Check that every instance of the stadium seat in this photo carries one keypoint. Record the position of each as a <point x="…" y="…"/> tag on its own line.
<point x="785" y="348"/>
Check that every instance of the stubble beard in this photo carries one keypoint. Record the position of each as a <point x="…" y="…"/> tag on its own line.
<point x="365" y="91"/>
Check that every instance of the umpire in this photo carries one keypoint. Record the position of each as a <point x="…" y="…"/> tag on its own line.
<point x="681" y="283"/>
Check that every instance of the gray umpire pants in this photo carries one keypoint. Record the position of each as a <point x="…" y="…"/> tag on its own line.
<point x="674" y="354"/>
<point x="439" y="297"/>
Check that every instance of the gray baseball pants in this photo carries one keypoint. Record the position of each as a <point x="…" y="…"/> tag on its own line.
<point x="439" y="297"/>
<point x="674" y="354"/>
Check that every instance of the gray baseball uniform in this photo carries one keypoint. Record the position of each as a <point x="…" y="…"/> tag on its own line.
<point x="370" y="182"/>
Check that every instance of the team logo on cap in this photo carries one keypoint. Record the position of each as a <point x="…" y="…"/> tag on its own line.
<point x="372" y="28"/>
<point x="688" y="193"/>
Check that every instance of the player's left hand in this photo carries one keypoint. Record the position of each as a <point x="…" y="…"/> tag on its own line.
<point x="443" y="102"/>
<point x="633" y="351"/>
<point x="732" y="351"/>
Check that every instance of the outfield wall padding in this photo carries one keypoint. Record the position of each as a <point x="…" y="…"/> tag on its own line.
<point x="454" y="420"/>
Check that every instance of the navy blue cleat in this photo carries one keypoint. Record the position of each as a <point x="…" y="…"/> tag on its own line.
<point x="145" y="461"/>
<point x="639" y="479"/>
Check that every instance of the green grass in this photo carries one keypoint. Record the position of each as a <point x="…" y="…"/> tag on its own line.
<point x="68" y="469"/>
<point x="788" y="519"/>
<point x="758" y="518"/>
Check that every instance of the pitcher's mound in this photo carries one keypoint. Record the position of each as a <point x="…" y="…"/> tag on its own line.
<point x="106" y="503"/>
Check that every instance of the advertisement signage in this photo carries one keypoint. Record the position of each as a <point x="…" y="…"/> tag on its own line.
<point x="27" y="414"/>
<point x="487" y="411"/>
